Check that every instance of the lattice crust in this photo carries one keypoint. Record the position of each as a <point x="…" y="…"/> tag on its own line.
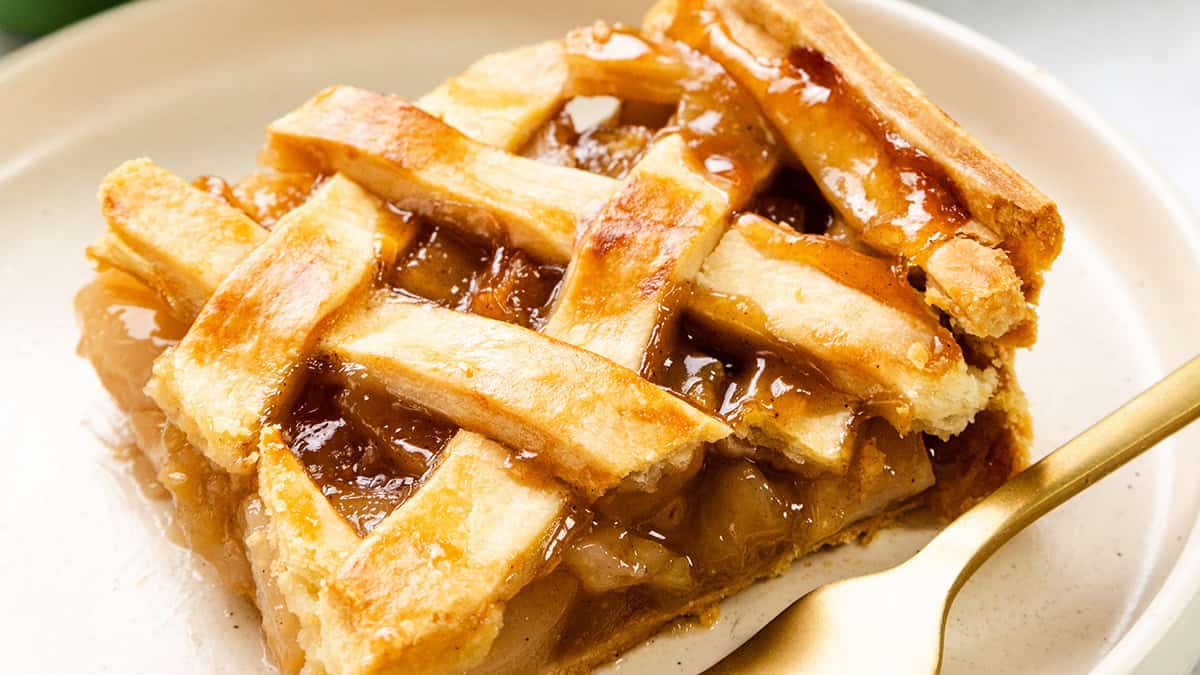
<point x="844" y="110"/>
<point x="407" y="166"/>
<point x="244" y="349"/>
<point x="425" y="166"/>
<point x="557" y="418"/>
<point x="634" y="253"/>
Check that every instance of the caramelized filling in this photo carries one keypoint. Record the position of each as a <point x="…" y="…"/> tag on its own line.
<point x="440" y="267"/>
<point x="716" y="118"/>
<point x="124" y="327"/>
<point x="727" y="379"/>
<point x="631" y="553"/>
<point x="730" y="521"/>
<point x="610" y="147"/>
<point x="368" y="451"/>
<point x="500" y="283"/>
<point x="515" y="288"/>
<point x="363" y="448"/>
<point x="266" y="196"/>
<point x="793" y="199"/>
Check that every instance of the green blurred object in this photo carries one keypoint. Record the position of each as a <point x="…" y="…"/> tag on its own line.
<point x="38" y="17"/>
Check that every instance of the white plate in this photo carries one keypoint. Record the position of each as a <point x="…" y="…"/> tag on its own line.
<point x="89" y="584"/>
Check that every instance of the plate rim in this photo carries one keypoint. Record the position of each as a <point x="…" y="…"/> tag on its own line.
<point x="1169" y="608"/>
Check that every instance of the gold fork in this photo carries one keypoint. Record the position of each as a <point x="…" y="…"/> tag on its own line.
<point x="894" y="621"/>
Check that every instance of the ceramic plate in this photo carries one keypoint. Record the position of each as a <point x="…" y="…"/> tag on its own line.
<point x="88" y="581"/>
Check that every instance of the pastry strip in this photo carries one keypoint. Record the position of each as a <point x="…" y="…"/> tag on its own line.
<point x="243" y="351"/>
<point x="311" y="136"/>
<point x="594" y="423"/>
<point x="875" y="144"/>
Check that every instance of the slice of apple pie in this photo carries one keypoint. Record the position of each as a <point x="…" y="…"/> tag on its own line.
<point x="595" y="334"/>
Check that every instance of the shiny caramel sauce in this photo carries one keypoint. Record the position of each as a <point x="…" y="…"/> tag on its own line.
<point x="730" y="521"/>
<point x="515" y="288"/>
<point x="890" y="191"/>
<point x="792" y="198"/>
<point x="610" y="148"/>
<point x="718" y="120"/>
<point x="729" y="379"/>
<point x="724" y="128"/>
<point x="368" y="451"/>
<point x="501" y="283"/>
<point x="440" y="266"/>
<point x="124" y="326"/>
<point x="266" y="196"/>
<point x="363" y="448"/>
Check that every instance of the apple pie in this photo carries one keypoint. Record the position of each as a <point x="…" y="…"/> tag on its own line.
<point x="595" y="334"/>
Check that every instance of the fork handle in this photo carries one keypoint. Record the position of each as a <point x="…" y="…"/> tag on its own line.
<point x="1155" y="414"/>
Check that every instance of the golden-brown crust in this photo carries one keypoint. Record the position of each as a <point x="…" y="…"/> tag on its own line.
<point x="635" y="255"/>
<point x="996" y="195"/>
<point x="772" y="282"/>
<point x="380" y="136"/>
<point x="420" y="163"/>
<point x="151" y="214"/>
<point x="240" y="355"/>
<point x="306" y="539"/>
<point x="425" y="591"/>
<point x="502" y="98"/>
<point x="591" y="422"/>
